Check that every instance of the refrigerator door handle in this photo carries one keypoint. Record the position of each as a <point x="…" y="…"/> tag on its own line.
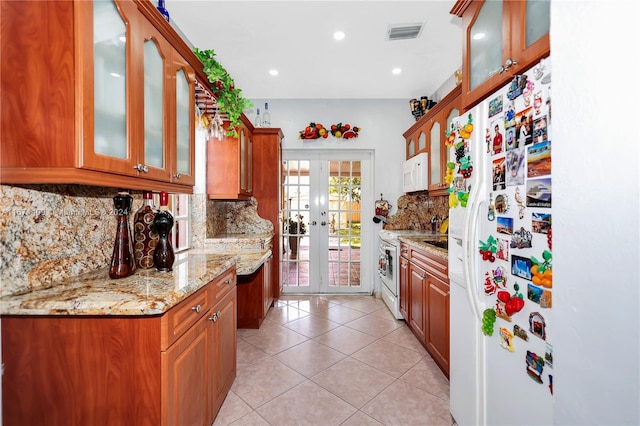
<point x="468" y="249"/>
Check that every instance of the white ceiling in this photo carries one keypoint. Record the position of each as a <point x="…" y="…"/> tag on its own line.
<point x="295" y="37"/>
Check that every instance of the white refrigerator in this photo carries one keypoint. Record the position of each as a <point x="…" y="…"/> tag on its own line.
<point x="500" y="256"/>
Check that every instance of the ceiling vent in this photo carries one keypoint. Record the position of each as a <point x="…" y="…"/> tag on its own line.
<point x="404" y="31"/>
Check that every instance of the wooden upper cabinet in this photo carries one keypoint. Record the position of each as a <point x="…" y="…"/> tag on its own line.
<point x="103" y="105"/>
<point x="428" y="134"/>
<point x="230" y="164"/>
<point x="501" y="38"/>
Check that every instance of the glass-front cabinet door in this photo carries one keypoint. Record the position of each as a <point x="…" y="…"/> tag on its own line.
<point x="153" y="152"/>
<point x="104" y="54"/>
<point x="501" y="39"/>
<point x="183" y="134"/>
<point x="435" y="142"/>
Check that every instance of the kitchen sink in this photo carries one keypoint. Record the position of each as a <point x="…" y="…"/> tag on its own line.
<point x="443" y="244"/>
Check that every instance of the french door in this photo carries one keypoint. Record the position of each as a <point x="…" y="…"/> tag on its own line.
<point x="324" y="241"/>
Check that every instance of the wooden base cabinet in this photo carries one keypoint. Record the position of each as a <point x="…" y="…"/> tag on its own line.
<point x="255" y="296"/>
<point x="172" y="369"/>
<point x="426" y="300"/>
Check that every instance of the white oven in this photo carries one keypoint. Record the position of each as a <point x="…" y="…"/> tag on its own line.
<point x="388" y="255"/>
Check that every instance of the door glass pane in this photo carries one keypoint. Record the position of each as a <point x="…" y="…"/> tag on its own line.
<point x="110" y="80"/>
<point x="412" y="148"/>
<point x="422" y="142"/>
<point x="485" y="43"/>
<point x="434" y="153"/>
<point x="295" y="232"/>
<point x="538" y="20"/>
<point x="249" y="164"/>
<point x="344" y="224"/>
<point x="452" y="114"/>
<point x="183" y="123"/>
<point x="153" y="105"/>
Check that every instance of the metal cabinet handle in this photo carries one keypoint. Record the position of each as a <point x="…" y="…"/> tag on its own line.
<point x="228" y="281"/>
<point x="323" y="223"/>
<point x="177" y="175"/>
<point x="507" y="64"/>
<point x="313" y="223"/>
<point x="423" y="275"/>
<point x="196" y="309"/>
<point x="141" y="168"/>
<point x="214" y="318"/>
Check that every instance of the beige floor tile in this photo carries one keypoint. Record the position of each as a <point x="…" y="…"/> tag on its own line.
<point x="263" y="381"/>
<point x="388" y="357"/>
<point x="404" y="337"/>
<point x="309" y="358"/>
<point x="247" y="354"/>
<point x="345" y="339"/>
<point x="233" y="408"/>
<point x="353" y="381"/>
<point x="276" y="340"/>
<point x="311" y="326"/>
<point x="427" y="376"/>
<point x="340" y="314"/>
<point x="384" y="313"/>
<point x="251" y="419"/>
<point x="375" y="326"/>
<point x="366" y="304"/>
<point x="306" y="404"/>
<point x="313" y="305"/>
<point x="284" y="314"/>
<point x="403" y="404"/>
<point x="361" y="419"/>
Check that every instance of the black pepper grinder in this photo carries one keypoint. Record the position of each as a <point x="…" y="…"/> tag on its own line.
<point x="122" y="260"/>
<point x="163" y="256"/>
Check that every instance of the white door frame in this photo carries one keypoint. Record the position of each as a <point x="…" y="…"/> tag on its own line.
<point x="366" y="157"/>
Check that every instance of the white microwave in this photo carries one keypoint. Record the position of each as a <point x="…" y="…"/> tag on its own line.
<point x="415" y="173"/>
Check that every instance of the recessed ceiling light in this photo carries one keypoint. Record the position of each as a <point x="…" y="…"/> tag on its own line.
<point x="338" y="35"/>
<point x="478" y="36"/>
<point x="273" y="72"/>
<point x="396" y="71"/>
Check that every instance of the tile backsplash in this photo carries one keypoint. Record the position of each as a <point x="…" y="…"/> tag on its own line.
<point x="416" y="211"/>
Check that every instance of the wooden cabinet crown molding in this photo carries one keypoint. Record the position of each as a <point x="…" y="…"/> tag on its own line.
<point x="460" y="6"/>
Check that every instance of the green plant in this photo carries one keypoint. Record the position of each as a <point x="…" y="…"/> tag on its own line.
<point x="229" y="97"/>
<point x="297" y="227"/>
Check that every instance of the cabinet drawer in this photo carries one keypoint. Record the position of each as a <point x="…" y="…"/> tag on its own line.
<point x="222" y="285"/>
<point x="433" y="265"/>
<point x="404" y="250"/>
<point x="181" y="317"/>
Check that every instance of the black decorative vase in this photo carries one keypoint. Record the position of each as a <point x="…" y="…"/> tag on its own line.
<point x="122" y="260"/>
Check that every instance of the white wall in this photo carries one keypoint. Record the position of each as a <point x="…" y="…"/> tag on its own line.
<point x="382" y="122"/>
<point x="595" y="212"/>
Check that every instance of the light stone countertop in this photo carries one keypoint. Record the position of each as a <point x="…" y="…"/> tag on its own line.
<point x="146" y="292"/>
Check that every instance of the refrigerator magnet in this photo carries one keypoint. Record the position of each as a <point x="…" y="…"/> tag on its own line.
<point x="489" y="286"/>
<point x="545" y="299"/>
<point x="548" y="355"/>
<point x="535" y="365"/>
<point x="503" y="249"/>
<point x="520" y="203"/>
<point x="506" y="339"/>
<point x="521" y="238"/>
<point x="520" y="332"/>
<point x="502" y="203"/>
<point x="534" y="293"/>
<point x="518" y="84"/>
<point x="537" y="325"/>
